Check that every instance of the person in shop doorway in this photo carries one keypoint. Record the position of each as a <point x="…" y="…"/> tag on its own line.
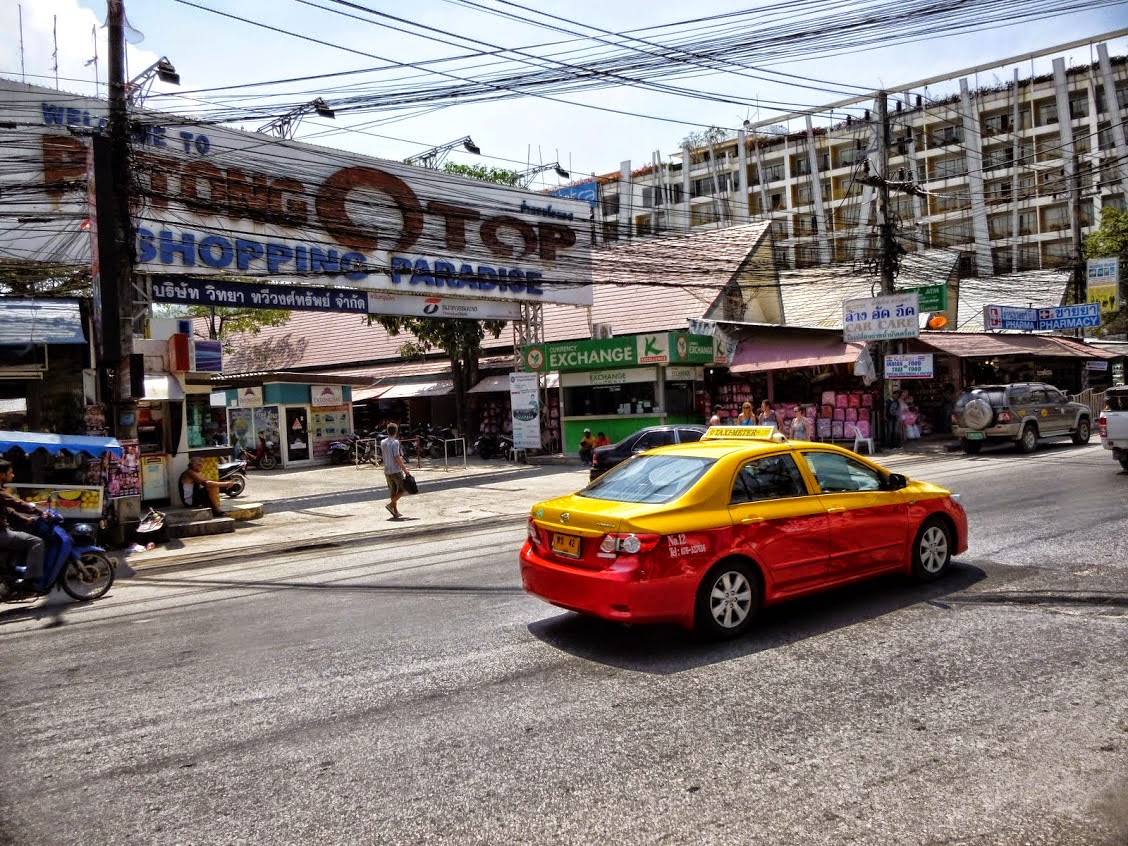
<point x="198" y="491"/>
<point x="747" y="415"/>
<point x="715" y="420"/>
<point x="893" y="419"/>
<point x="801" y="426"/>
<point x="395" y="469"/>
<point x="948" y="398"/>
<point x="15" y="516"/>
<point x="587" y="444"/>
<point x="602" y="440"/>
<point x="768" y="415"/>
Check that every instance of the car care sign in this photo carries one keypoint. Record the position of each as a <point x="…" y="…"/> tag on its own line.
<point x="524" y="389"/>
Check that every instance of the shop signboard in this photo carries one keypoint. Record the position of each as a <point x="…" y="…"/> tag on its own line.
<point x="321" y="395"/>
<point x="603" y="378"/>
<point x="932" y="297"/>
<point x="997" y="317"/>
<point x="1102" y="276"/>
<point x="250" y="397"/>
<point x="524" y="400"/>
<point x="685" y="374"/>
<point x="219" y="202"/>
<point x="619" y="352"/>
<point x="909" y="366"/>
<point x="1082" y="316"/>
<point x="881" y="318"/>
<point x="1096" y="365"/>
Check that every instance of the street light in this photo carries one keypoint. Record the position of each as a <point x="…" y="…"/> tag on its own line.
<point x="286" y="125"/>
<point x="435" y="157"/>
<point x="139" y="86"/>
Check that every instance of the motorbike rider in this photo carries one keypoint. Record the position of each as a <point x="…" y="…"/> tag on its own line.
<point x="200" y="492"/>
<point x="16" y="514"/>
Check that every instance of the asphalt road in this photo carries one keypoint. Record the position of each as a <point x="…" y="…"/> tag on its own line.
<point x="412" y="693"/>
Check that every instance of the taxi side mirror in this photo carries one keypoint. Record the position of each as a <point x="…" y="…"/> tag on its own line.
<point x="896" y="482"/>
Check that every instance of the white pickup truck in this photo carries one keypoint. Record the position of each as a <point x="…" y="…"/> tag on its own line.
<point x="1113" y="424"/>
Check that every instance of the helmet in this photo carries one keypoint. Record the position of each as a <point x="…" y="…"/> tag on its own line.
<point x="84" y="532"/>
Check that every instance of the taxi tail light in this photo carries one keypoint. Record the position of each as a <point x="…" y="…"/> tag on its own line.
<point x="629" y="544"/>
<point x="534" y="534"/>
<point x="1005" y="417"/>
<point x="1102" y="427"/>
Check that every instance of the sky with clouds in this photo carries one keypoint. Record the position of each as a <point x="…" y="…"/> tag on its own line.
<point x="210" y="49"/>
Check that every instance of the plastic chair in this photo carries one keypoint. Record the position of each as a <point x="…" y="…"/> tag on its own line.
<point x="859" y="439"/>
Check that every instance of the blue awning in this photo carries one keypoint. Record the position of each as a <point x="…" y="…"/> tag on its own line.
<point x="40" y="321"/>
<point x="31" y="441"/>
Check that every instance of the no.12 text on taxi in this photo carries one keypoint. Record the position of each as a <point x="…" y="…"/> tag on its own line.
<point x="704" y="534"/>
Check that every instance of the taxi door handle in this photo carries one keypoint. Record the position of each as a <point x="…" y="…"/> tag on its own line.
<point x="836" y="509"/>
<point x="748" y="520"/>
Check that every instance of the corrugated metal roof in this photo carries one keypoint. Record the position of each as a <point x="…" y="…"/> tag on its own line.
<point x="990" y="345"/>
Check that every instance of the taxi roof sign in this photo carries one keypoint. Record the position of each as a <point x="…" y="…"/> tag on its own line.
<point x="757" y="433"/>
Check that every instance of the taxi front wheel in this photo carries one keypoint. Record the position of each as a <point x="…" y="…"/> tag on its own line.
<point x="932" y="550"/>
<point x="727" y="600"/>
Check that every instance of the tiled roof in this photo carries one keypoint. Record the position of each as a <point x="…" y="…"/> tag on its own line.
<point x="1037" y="288"/>
<point x="645" y="286"/>
<point x="814" y="296"/>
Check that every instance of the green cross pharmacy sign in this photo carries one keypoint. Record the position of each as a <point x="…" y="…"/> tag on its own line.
<point x="627" y="351"/>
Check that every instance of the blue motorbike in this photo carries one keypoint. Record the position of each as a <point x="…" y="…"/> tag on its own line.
<point x="72" y="560"/>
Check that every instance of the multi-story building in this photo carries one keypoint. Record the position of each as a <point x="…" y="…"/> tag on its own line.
<point x="994" y="165"/>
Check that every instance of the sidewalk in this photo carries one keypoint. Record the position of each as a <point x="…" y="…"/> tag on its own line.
<point x="327" y="505"/>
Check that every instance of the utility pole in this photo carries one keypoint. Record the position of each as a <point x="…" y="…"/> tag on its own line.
<point x="885" y="225"/>
<point x="120" y="262"/>
<point x="1075" y="224"/>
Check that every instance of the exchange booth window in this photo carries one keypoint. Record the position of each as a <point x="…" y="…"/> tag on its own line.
<point x="604" y="401"/>
<point x="207" y="426"/>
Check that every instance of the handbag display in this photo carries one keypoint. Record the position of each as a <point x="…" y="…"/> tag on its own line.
<point x="410" y="485"/>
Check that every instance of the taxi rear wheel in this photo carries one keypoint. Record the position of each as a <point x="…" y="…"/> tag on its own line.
<point x="727" y="600"/>
<point x="932" y="550"/>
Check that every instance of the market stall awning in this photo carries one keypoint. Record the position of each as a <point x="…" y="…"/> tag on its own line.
<point x="40" y="321"/>
<point x="31" y="441"/>
<point x="365" y="394"/>
<point x="757" y="355"/>
<point x="162" y="386"/>
<point x="419" y="389"/>
<point x="499" y="382"/>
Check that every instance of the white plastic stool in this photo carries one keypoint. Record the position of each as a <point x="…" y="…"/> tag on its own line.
<point x="859" y="440"/>
<point x="518" y="455"/>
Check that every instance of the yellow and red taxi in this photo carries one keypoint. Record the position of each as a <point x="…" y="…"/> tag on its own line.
<point x="704" y="534"/>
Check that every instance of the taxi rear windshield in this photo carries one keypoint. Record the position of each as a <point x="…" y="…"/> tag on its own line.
<point x="649" y="479"/>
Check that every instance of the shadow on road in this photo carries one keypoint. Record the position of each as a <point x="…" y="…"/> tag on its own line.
<point x="667" y="649"/>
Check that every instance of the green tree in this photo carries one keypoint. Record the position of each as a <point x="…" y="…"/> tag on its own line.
<point x="1110" y="240"/>
<point x="461" y="340"/>
<point x="222" y="322"/>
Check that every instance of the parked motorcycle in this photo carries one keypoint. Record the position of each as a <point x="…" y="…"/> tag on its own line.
<point x="357" y="448"/>
<point x="234" y="471"/>
<point x="487" y="447"/>
<point x="72" y="560"/>
<point x="262" y="458"/>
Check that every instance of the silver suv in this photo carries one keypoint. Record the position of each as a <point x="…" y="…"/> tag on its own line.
<point x="1021" y="413"/>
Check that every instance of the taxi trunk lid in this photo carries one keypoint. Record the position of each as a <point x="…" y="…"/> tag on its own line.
<point x="588" y="521"/>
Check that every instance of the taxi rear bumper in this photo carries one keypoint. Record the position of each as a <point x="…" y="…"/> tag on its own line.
<point x="618" y="593"/>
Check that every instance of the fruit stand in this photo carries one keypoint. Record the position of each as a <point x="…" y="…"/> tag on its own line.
<point x="74" y="474"/>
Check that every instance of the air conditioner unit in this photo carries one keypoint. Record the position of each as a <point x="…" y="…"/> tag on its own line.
<point x="600" y="331"/>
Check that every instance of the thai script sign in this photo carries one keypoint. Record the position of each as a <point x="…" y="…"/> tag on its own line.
<point x="881" y="318"/>
<point x="909" y="366"/>
<point x="1083" y="316"/>
<point x="1102" y="276"/>
<point x="218" y="201"/>
<point x="624" y="351"/>
<point x="931" y="297"/>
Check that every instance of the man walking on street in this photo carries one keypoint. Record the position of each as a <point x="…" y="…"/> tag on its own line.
<point x="12" y="510"/>
<point x="395" y="469"/>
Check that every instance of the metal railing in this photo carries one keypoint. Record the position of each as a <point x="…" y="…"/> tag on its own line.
<point x="1094" y="399"/>
<point x="446" y="451"/>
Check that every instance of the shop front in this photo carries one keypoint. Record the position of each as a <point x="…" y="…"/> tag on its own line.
<point x="813" y="373"/>
<point x="299" y="419"/>
<point x="620" y="385"/>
